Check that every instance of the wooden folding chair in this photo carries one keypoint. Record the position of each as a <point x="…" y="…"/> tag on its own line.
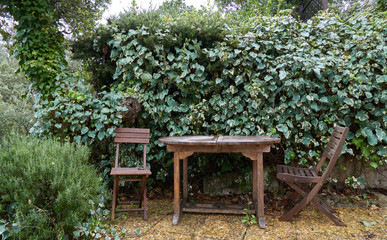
<point x="301" y="178"/>
<point x="130" y="135"/>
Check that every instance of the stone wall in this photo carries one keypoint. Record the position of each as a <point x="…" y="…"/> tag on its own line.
<point x="374" y="178"/>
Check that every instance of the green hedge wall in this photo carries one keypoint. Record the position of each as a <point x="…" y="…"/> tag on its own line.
<point x="271" y="76"/>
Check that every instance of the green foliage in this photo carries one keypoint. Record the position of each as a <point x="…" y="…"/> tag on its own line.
<point x="39" y="46"/>
<point x="73" y="17"/>
<point x="281" y="77"/>
<point x="65" y="107"/>
<point x="47" y="188"/>
<point x="75" y="114"/>
<point x="259" y="8"/>
<point x="96" y="227"/>
<point x="15" y="111"/>
<point x="176" y="21"/>
<point x="249" y="219"/>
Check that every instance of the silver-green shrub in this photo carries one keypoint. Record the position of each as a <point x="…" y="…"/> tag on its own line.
<point x="45" y="187"/>
<point x="16" y="113"/>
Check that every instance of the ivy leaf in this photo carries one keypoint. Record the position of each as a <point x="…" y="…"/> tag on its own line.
<point x="282" y="128"/>
<point x="371" y="137"/>
<point x="91" y="134"/>
<point x="324" y="100"/>
<point x="105" y="110"/>
<point x="282" y="74"/>
<point x="98" y="126"/>
<point x="362" y="116"/>
<point x="238" y="80"/>
<point x="381" y="134"/>
<point x="374" y="165"/>
<point x="77" y="139"/>
<point x="101" y="135"/>
<point x="75" y="233"/>
<point x="84" y="130"/>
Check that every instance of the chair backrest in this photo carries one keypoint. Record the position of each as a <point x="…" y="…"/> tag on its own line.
<point x="131" y="135"/>
<point x="332" y="150"/>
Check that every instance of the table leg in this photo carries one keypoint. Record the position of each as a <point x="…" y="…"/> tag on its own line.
<point x="255" y="188"/>
<point x="260" y="195"/>
<point x="185" y="180"/>
<point x="176" y="184"/>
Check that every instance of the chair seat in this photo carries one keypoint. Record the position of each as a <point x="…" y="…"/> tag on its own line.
<point x="297" y="175"/>
<point x="130" y="171"/>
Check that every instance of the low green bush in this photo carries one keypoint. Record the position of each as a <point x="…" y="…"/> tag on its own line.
<point x="46" y="187"/>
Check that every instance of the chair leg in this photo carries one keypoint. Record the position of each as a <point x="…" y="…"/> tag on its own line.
<point x="143" y="183"/>
<point x="285" y="202"/>
<point x="303" y="191"/>
<point x="115" y="193"/>
<point x="323" y="208"/>
<point x="325" y="205"/>
<point x="316" y="201"/>
<point x="307" y="198"/>
<point x="145" y="200"/>
<point x="296" y="209"/>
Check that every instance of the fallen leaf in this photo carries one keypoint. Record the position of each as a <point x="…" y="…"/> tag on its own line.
<point x="368" y="224"/>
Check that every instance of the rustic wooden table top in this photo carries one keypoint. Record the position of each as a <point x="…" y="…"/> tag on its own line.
<point x="218" y="140"/>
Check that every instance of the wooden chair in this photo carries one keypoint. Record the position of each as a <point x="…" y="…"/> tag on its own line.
<point x="130" y="135"/>
<point x="300" y="179"/>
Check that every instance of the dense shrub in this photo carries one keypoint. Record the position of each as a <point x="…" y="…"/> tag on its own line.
<point x="15" y="111"/>
<point x="272" y="76"/>
<point x="181" y="22"/>
<point x="46" y="187"/>
<point x="76" y="114"/>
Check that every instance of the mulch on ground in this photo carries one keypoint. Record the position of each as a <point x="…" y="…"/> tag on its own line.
<point x="365" y="219"/>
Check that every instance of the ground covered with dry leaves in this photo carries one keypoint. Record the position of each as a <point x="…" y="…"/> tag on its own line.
<point x="366" y="218"/>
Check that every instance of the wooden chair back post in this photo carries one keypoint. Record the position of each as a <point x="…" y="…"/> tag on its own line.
<point x="144" y="155"/>
<point x="332" y="151"/>
<point x="117" y="155"/>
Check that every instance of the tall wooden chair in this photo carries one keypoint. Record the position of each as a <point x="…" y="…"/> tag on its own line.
<point x="130" y="135"/>
<point x="307" y="182"/>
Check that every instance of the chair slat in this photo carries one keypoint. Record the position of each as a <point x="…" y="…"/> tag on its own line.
<point x="333" y="144"/>
<point x="133" y="135"/>
<point x="313" y="172"/>
<point x="329" y="152"/>
<point x="307" y="172"/>
<point x="130" y="171"/>
<point x="132" y="130"/>
<point x="131" y="140"/>
<point x="337" y="134"/>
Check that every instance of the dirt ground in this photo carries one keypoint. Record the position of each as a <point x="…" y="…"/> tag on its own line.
<point x="365" y="216"/>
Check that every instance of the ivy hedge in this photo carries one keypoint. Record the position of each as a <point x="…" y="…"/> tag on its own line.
<point x="271" y="76"/>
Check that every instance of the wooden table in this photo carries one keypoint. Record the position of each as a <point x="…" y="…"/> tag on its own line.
<point x="252" y="147"/>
